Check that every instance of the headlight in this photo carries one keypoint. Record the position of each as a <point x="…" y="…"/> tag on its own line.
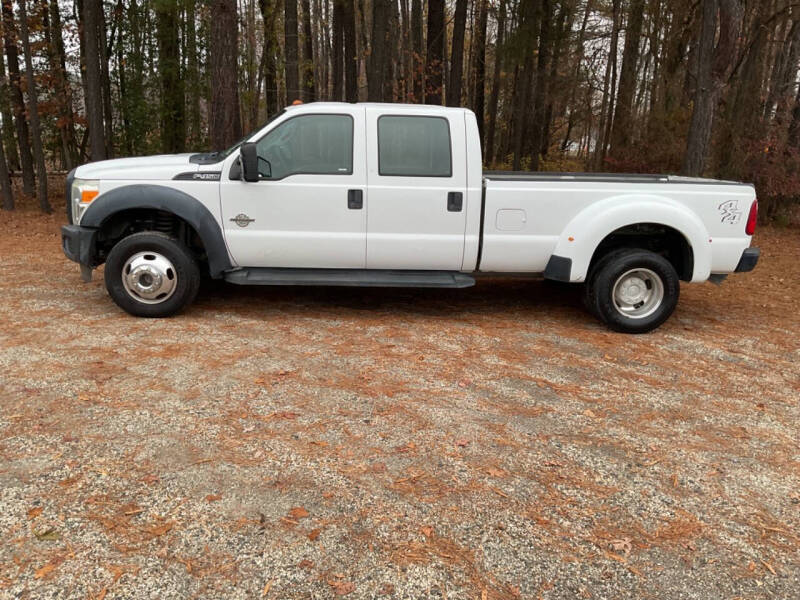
<point x="82" y="194"/>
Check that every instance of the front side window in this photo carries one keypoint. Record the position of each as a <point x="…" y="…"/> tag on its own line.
<point x="412" y="146"/>
<point x="308" y="144"/>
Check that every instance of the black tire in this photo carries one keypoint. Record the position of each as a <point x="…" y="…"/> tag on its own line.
<point x="603" y="279"/>
<point x="186" y="274"/>
<point x="589" y="285"/>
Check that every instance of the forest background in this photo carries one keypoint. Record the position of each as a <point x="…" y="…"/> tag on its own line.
<point x="697" y="87"/>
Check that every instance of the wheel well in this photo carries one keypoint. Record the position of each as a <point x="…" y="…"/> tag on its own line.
<point x="661" y="239"/>
<point x="127" y="222"/>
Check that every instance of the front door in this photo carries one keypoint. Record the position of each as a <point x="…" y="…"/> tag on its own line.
<point x="417" y="189"/>
<point x="308" y="209"/>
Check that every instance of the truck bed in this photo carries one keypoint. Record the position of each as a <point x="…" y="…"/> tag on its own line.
<point x="600" y="177"/>
<point x="530" y="217"/>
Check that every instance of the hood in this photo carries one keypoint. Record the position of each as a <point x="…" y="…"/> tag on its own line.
<point x="145" y="168"/>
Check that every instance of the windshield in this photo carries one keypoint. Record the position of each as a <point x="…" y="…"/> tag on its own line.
<point x="227" y="152"/>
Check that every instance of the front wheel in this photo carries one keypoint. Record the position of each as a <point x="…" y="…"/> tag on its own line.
<point x="633" y="291"/>
<point x="150" y="274"/>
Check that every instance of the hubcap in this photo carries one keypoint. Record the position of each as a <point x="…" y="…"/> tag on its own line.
<point x="638" y="293"/>
<point x="149" y="277"/>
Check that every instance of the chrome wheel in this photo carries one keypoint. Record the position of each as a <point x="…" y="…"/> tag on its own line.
<point x="149" y="277"/>
<point x="638" y="293"/>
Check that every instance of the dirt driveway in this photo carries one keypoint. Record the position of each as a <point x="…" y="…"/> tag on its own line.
<point x="318" y="443"/>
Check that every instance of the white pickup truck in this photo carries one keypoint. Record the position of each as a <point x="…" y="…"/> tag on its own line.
<point x="395" y="195"/>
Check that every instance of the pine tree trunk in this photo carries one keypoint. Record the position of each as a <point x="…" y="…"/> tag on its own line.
<point x="105" y="79"/>
<point x="528" y="31"/>
<point x="293" y="91"/>
<point x="392" y="62"/>
<point x="494" y="98"/>
<point x="609" y="79"/>
<point x="377" y="65"/>
<point x="623" y="116"/>
<point x="124" y="94"/>
<point x="715" y="66"/>
<point x="576" y="74"/>
<point x="404" y="54"/>
<point x="309" y="87"/>
<point x="563" y="25"/>
<point x="225" y="117"/>
<point x="193" y="77"/>
<point x="479" y="65"/>
<point x="57" y="58"/>
<point x="417" y="45"/>
<point x="793" y="140"/>
<point x="268" y="15"/>
<point x="5" y="182"/>
<point x="250" y="74"/>
<point x="350" y="53"/>
<point x="457" y="55"/>
<point x="542" y="89"/>
<point x="33" y="112"/>
<point x="173" y="117"/>
<point x="8" y="137"/>
<point x="337" y="53"/>
<point x="17" y="101"/>
<point x="784" y="77"/>
<point x="93" y="79"/>
<point x="434" y="80"/>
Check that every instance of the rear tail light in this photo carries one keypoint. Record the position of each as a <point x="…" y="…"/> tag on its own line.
<point x="750" y="228"/>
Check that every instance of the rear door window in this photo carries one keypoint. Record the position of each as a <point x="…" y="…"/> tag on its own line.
<point x="414" y="146"/>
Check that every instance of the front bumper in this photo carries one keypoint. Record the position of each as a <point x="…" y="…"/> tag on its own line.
<point x="749" y="260"/>
<point x="78" y="244"/>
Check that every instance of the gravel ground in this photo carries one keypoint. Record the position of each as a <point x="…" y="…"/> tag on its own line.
<point x="487" y="443"/>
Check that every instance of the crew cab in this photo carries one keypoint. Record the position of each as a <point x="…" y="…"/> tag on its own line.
<point x="395" y="195"/>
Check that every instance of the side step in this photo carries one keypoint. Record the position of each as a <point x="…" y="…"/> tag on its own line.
<point x="350" y="278"/>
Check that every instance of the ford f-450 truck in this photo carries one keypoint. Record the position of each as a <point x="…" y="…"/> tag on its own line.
<point x="395" y="195"/>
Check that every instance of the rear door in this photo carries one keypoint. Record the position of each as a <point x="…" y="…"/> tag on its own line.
<point x="417" y="181"/>
<point x="307" y="210"/>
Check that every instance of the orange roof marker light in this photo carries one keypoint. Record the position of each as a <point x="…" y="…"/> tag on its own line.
<point x="297" y="102"/>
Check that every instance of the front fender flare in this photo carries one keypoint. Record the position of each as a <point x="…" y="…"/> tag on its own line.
<point x="159" y="197"/>
<point x="587" y="229"/>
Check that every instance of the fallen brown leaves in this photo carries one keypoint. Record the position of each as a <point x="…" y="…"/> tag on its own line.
<point x="44" y="571"/>
<point x="298" y="512"/>
<point x="621" y="545"/>
<point x="567" y="441"/>
<point x="341" y="587"/>
<point x="683" y="527"/>
<point x="159" y="530"/>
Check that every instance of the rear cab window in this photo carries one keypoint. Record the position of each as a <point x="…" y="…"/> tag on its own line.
<point x="414" y="146"/>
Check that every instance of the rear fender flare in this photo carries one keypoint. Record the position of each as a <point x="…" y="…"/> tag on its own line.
<point x="587" y="229"/>
<point x="158" y="197"/>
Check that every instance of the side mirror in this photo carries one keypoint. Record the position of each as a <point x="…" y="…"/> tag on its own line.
<point x="249" y="154"/>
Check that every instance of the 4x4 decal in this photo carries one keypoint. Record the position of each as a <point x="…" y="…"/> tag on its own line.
<point x="730" y="212"/>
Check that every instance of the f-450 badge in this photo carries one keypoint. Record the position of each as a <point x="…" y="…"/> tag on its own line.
<point x="730" y="212"/>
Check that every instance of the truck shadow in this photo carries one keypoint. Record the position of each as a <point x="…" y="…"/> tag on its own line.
<point x="488" y="297"/>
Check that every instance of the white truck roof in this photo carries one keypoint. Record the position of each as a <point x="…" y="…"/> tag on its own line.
<point x="380" y="105"/>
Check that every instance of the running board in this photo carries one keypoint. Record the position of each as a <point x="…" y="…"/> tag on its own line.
<point x="350" y="278"/>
